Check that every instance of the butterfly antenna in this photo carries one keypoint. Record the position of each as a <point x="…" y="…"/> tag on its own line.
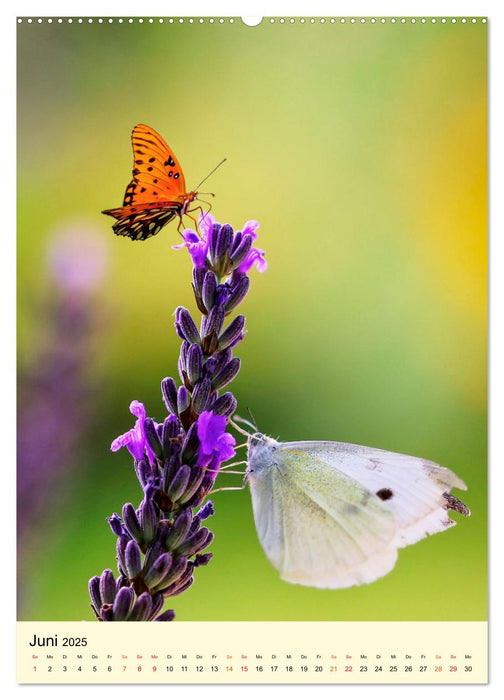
<point x="254" y="422"/>
<point x="210" y="173"/>
<point x="247" y="422"/>
<point x="237" y="427"/>
<point x="239" y="419"/>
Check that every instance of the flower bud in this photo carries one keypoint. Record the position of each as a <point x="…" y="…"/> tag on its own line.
<point x="156" y="549"/>
<point x="169" y="391"/>
<point x="191" y="444"/>
<point x="197" y="476"/>
<point x="221" y="359"/>
<point x="178" y="568"/>
<point x="179" y="483"/>
<point x="222" y="294"/>
<point x="226" y="374"/>
<point x="157" y="604"/>
<point x="208" y="290"/>
<point x="206" y="511"/>
<point x="198" y="279"/>
<point x="171" y="466"/>
<point x="152" y="438"/>
<point x="233" y="333"/>
<point x="167" y="616"/>
<point x="238" y="293"/>
<point x="115" y="524"/>
<point x="224" y="242"/>
<point x="203" y="559"/>
<point x="236" y="242"/>
<point x="183" y="399"/>
<point x="121" y="544"/>
<point x="212" y="239"/>
<point x="201" y="395"/>
<point x="133" y="559"/>
<point x="143" y="471"/>
<point x="107" y="587"/>
<point x="243" y="249"/>
<point x="194" y="364"/>
<point x="94" y="592"/>
<point x="225" y="405"/>
<point x="148" y="519"/>
<point x="123" y="603"/>
<point x="171" y="428"/>
<point x="141" y="609"/>
<point x="195" y="543"/>
<point x="197" y="285"/>
<point x="209" y="366"/>
<point x="131" y="521"/>
<point x="212" y="325"/>
<point x="186" y="326"/>
<point x="182" y="584"/>
<point x="179" y="529"/>
<point x="158" y="571"/>
<point x="177" y="577"/>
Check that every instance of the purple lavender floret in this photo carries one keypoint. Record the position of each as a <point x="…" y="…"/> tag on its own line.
<point x="135" y="439"/>
<point x="162" y="542"/>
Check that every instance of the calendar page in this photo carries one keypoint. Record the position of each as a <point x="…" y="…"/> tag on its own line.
<point x="252" y="349"/>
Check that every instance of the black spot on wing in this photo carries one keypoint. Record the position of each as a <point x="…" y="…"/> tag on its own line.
<point x="385" y="494"/>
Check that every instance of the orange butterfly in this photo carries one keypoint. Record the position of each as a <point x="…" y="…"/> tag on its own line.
<point x="157" y="193"/>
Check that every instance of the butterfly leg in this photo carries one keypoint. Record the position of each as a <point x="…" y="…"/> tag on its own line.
<point x="201" y="210"/>
<point x="225" y="467"/>
<point x="181" y="223"/>
<point x="233" y="464"/>
<point x="188" y="213"/>
<point x="229" y="488"/>
<point x="232" y="472"/>
<point x="204" y="213"/>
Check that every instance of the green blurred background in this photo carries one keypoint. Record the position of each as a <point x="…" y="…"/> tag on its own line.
<point x="361" y="150"/>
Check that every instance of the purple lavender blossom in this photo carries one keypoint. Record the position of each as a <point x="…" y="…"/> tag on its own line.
<point x="216" y="445"/>
<point x="255" y="256"/>
<point x="198" y="245"/>
<point x="162" y="542"/>
<point x="135" y="439"/>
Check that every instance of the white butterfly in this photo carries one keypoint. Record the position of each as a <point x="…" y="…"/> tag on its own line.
<point x="332" y="514"/>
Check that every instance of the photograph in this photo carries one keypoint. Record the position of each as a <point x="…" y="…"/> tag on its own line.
<point x="251" y="320"/>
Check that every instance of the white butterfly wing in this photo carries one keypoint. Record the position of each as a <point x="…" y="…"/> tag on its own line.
<point x="415" y="489"/>
<point x="320" y="520"/>
<point x="319" y="527"/>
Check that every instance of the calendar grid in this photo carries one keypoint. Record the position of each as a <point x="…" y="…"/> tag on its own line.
<point x="253" y="652"/>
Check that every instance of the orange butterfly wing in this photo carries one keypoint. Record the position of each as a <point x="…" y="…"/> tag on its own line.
<point x="157" y="192"/>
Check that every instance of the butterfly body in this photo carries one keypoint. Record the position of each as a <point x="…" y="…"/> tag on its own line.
<point x="157" y="193"/>
<point x="333" y="515"/>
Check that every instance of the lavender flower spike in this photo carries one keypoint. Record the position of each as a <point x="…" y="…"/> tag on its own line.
<point x="162" y="542"/>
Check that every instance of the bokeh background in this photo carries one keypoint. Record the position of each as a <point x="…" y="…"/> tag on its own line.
<point x="361" y="150"/>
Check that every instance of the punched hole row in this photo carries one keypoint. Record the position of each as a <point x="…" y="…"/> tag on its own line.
<point x="254" y="22"/>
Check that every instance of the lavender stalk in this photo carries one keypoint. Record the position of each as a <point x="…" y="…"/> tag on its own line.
<point x="161" y="543"/>
<point x="55" y="389"/>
